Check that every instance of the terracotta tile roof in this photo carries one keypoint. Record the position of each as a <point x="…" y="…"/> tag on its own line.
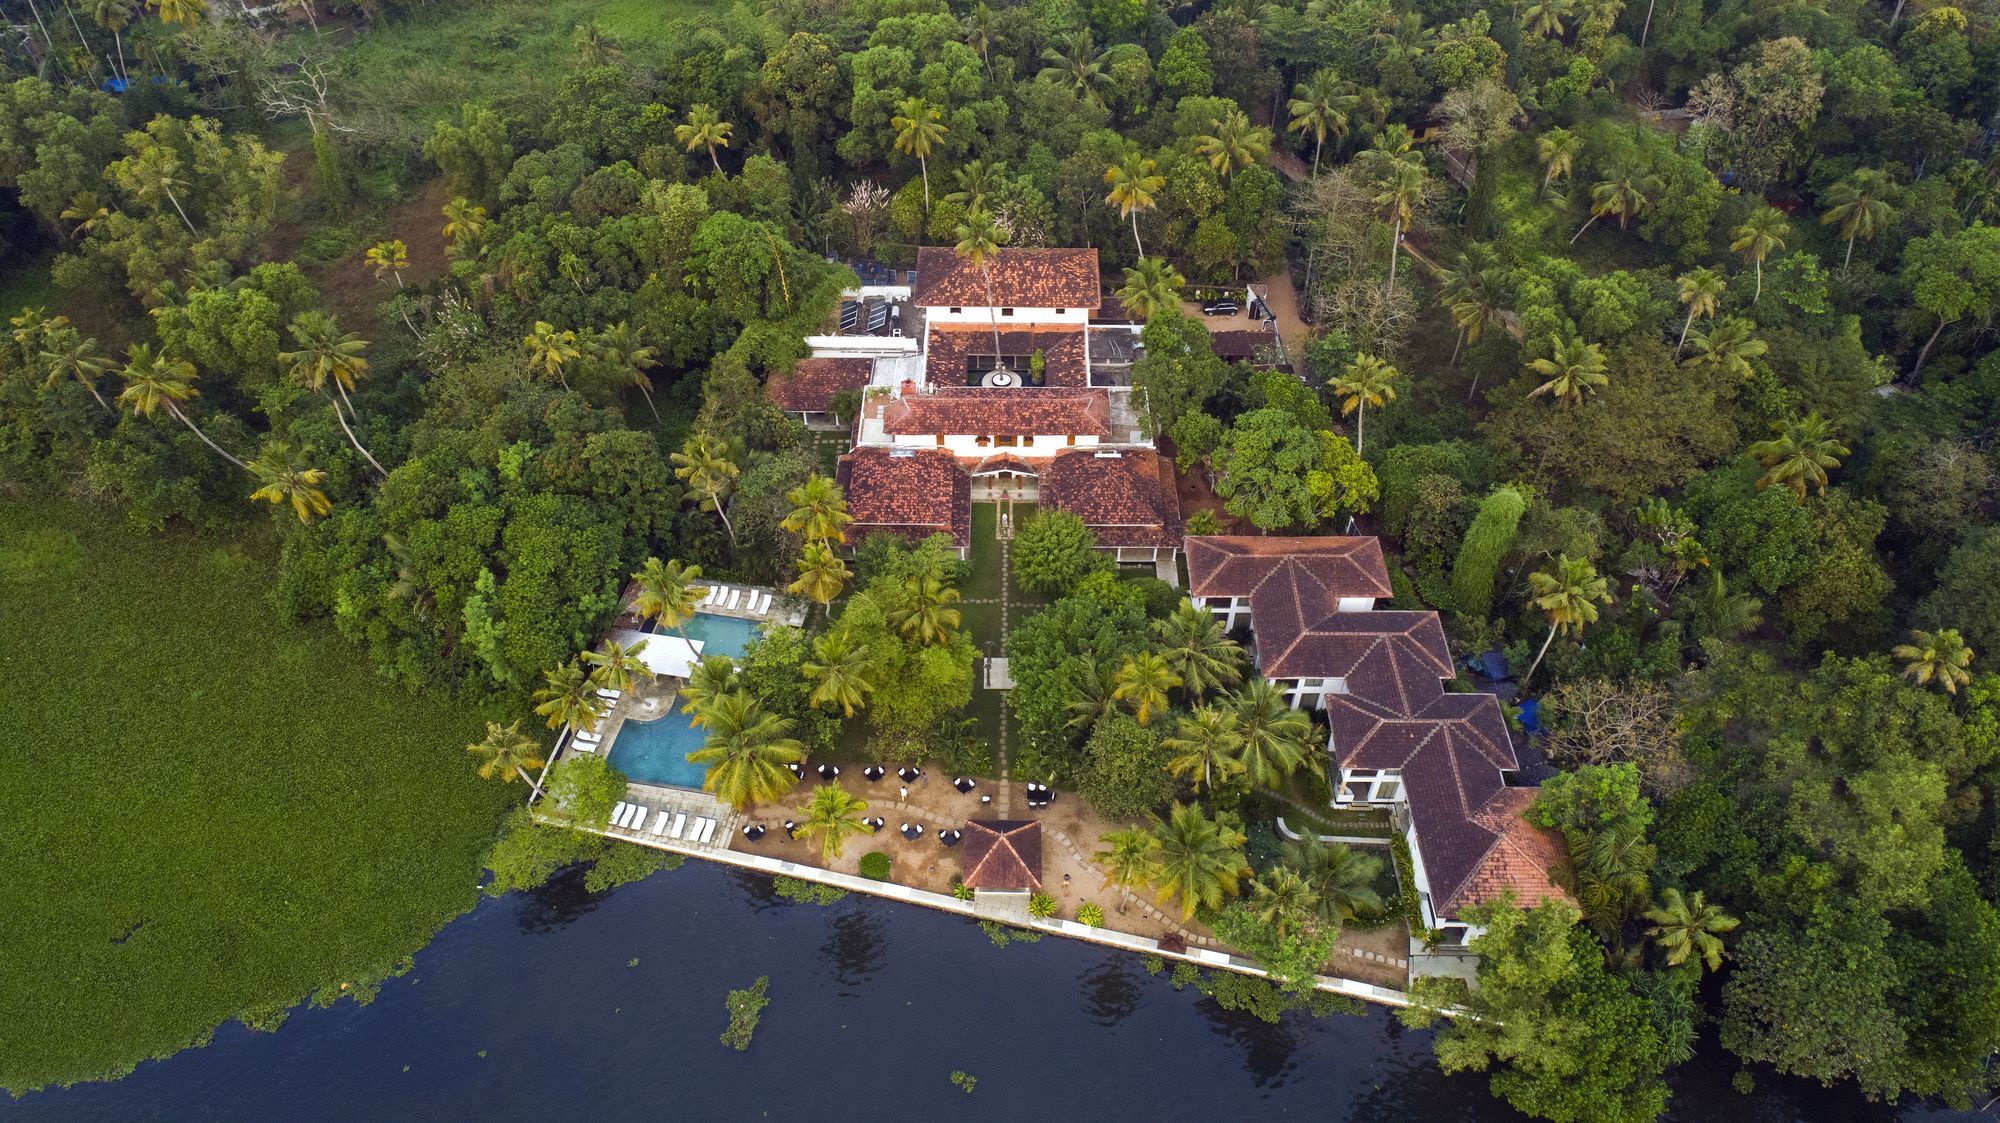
<point x="1451" y="749"/>
<point x="915" y="493"/>
<point x="1018" y="412"/>
<point x="1005" y="462"/>
<point x="1127" y="498"/>
<point x="1240" y="346"/>
<point x="948" y="351"/>
<point x="1003" y="854"/>
<point x="813" y="383"/>
<point x="1225" y="565"/>
<point x="1022" y="278"/>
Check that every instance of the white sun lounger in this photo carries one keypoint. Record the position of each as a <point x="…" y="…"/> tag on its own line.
<point x="618" y="813"/>
<point x="707" y="830"/>
<point x="609" y="695"/>
<point x="709" y="596"/>
<point x="638" y="816"/>
<point x="734" y="596"/>
<point x="761" y="604"/>
<point x="660" y="823"/>
<point x="680" y="820"/>
<point x="584" y="746"/>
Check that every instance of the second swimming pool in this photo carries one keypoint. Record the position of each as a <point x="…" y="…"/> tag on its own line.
<point x="655" y="752"/>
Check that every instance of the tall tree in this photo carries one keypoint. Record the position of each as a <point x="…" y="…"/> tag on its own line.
<point x="1135" y="189"/>
<point x="1207" y="747"/>
<point x="1151" y="284"/>
<point x="1142" y="682"/>
<point x="1320" y="106"/>
<point x="68" y="352"/>
<point x="704" y="464"/>
<point x="1277" y="739"/>
<point x="832" y="815"/>
<point x="1198" y="649"/>
<point x="1343" y="878"/>
<point x="747" y="750"/>
<point x="1800" y="455"/>
<point x="1557" y="149"/>
<point x="1200" y="859"/>
<point x="616" y="666"/>
<point x="1571" y="371"/>
<point x="979" y="239"/>
<point x="705" y="128"/>
<point x="842" y="672"/>
<point x="549" y="351"/>
<point x="1939" y="657"/>
<point x="1624" y="194"/>
<point x="464" y="224"/>
<point x="1701" y="294"/>
<point x="284" y="475"/>
<point x="711" y="677"/>
<point x="819" y="510"/>
<point x="1367" y="381"/>
<point x="1859" y="205"/>
<point x="1757" y="238"/>
<point x="620" y="346"/>
<point x="822" y="574"/>
<point x="506" y="752"/>
<point x="1568" y="595"/>
<point x="1728" y="346"/>
<point x="923" y="612"/>
<point x="1688" y="927"/>
<point x="326" y="354"/>
<point x="566" y="697"/>
<point x="1398" y="182"/>
<point x="156" y="382"/>
<point x="1130" y="858"/>
<point x="1077" y="65"/>
<point x="668" y="593"/>
<point x="919" y="130"/>
<point x="1234" y="144"/>
<point x="115" y="16"/>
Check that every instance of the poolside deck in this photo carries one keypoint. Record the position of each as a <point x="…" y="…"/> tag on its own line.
<point x="694" y="805"/>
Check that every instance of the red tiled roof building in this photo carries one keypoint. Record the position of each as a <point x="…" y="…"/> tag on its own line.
<point x="912" y="493"/>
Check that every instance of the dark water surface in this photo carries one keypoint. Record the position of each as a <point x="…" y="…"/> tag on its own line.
<point x="527" y="1008"/>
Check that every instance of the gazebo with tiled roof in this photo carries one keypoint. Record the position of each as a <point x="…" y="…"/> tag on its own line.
<point x="1003" y="854"/>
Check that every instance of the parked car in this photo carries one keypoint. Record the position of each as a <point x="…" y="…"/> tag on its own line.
<point x="1219" y="308"/>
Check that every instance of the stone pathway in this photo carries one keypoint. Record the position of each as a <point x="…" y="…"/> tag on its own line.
<point x="1004" y="806"/>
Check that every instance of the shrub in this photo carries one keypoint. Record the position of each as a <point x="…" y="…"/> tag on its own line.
<point x="1090" y="913"/>
<point x="1041" y="906"/>
<point x="875" y="866"/>
<point x="1406" y="888"/>
<point x="1004" y="934"/>
<point x="1485" y="544"/>
<point x="1204" y="522"/>
<point x="1053" y="551"/>
<point x="746" y="1007"/>
<point x="960" y="889"/>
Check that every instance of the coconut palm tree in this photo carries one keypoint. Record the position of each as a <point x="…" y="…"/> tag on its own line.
<point x="1198" y="649"/>
<point x="710" y="678"/>
<point x="1941" y="657"/>
<point x="115" y="16"/>
<point x="1135" y="188"/>
<point x="1568" y="595"/>
<point x="821" y="574"/>
<point x="593" y="46"/>
<point x="284" y="476"/>
<point x="68" y="352"/>
<point x="1728" y="345"/>
<point x="1092" y="696"/>
<point x="1859" y="204"/>
<point x="1078" y="66"/>
<point x="1367" y="381"/>
<point x="185" y="12"/>
<point x="389" y="259"/>
<point x="1235" y="144"/>
<point x="464" y="223"/>
<point x="1472" y="293"/>
<point x="831" y="816"/>
<point x="1571" y="371"/>
<point x="979" y="239"/>
<point x="819" y="510"/>
<point x="1200" y="859"/>
<point x="842" y="672"/>
<point x="1609" y="876"/>
<point x="615" y="666"/>
<point x="923" y="610"/>
<point x="1151" y="285"/>
<point x="1718" y="611"/>
<point x="1397" y="178"/>
<point x="1284" y="900"/>
<point x="1557" y="149"/>
<point x="1545" y="17"/>
<point x="1800" y="455"/>
<point x="549" y="351"/>
<point x="1757" y="238"/>
<point x="1342" y="877"/>
<point x="1206" y="745"/>
<point x="747" y="750"/>
<point x="704" y="464"/>
<point x="324" y="355"/>
<point x="507" y="752"/>
<point x="1689" y="928"/>
<point x="619" y="345"/>
<point x="156" y="382"/>
<point x="919" y="130"/>
<point x="1623" y="195"/>
<point x="976" y="180"/>
<point x="705" y="129"/>
<point x="668" y="593"/>
<point x="566" y="697"/>
<point x="1321" y="105"/>
<point x="980" y="30"/>
<point x="1277" y="739"/>
<point x="86" y="211"/>
<point x="1701" y="292"/>
<point x="1130" y="858"/>
<point x="157" y="173"/>
<point x="1142" y="682"/>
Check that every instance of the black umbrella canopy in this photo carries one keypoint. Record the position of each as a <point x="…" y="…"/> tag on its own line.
<point x="908" y="773"/>
<point x="965" y="783"/>
<point x="828" y="772"/>
<point x="949" y="838"/>
<point x="873" y="772"/>
<point x="913" y="831"/>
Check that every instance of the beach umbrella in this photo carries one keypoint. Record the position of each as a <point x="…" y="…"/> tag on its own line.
<point x="791" y="829"/>
<point x="913" y="831"/>
<point x="949" y="838"/>
<point x="908" y="773"/>
<point x="829" y="772"/>
<point x="965" y="783"/>
<point x="873" y="773"/>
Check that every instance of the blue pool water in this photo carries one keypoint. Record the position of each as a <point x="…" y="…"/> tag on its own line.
<point x="724" y="634"/>
<point x="655" y="752"/>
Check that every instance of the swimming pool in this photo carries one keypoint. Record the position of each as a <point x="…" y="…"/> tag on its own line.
<point x="725" y="635"/>
<point x="655" y="752"/>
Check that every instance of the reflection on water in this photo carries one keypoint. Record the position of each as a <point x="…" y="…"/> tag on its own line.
<point x="560" y="902"/>
<point x="1111" y="988"/>
<point x="854" y="948"/>
<point x="1269" y="1051"/>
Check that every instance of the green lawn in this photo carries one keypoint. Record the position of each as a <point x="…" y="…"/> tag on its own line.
<point x="986" y="579"/>
<point x="424" y="67"/>
<point x="207" y="813"/>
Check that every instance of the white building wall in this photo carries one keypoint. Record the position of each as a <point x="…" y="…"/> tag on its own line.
<point x="1356" y="604"/>
<point x="1006" y="316"/>
<point x="969" y="445"/>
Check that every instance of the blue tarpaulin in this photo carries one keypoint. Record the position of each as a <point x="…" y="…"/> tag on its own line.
<point x="1530" y="714"/>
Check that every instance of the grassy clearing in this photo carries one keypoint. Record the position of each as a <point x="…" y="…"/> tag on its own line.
<point x="207" y="814"/>
<point x="421" y="69"/>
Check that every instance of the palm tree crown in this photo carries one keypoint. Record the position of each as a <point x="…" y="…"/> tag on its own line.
<point x="285" y="477"/>
<point x="821" y="574"/>
<point x="1142" y="682"/>
<point x="668" y="593"/>
<point x="1206" y="745"/>
<point x="1367" y="381"/>
<point x="704" y="129"/>
<point x="819" y="510"/>
<point x="841" y="671"/>
<point x="747" y="750"/>
<point x="1800" y="455"/>
<point x="1151" y="285"/>
<point x="1200" y="860"/>
<point x="1320" y="106"/>
<point x="506" y="752"/>
<point x="1941" y="657"/>
<point x="833" y="814"/>
<point x="1135" y="188"/>
<point x="1859" y="205"/>
<point x="1757" y="238"/>
<point x="1571" y="371"/>
<point x="1689" y="928"/>
<point x="1235" y="144"/>
<point x="1199" y="650"/>
<point x="567" y="697"/>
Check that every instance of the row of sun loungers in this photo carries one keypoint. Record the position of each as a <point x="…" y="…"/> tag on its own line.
<point x="585" y="741"/>
<point x="666" y="824"/>
<point x="750" y="601"/>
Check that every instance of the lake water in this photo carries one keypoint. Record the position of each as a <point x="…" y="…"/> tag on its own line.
<point x="530" y="1007"/>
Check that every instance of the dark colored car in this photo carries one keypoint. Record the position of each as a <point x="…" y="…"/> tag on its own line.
<point x="1219" y="308"/>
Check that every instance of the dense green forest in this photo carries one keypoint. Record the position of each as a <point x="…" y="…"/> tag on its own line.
<point x="1652" y="339"/>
